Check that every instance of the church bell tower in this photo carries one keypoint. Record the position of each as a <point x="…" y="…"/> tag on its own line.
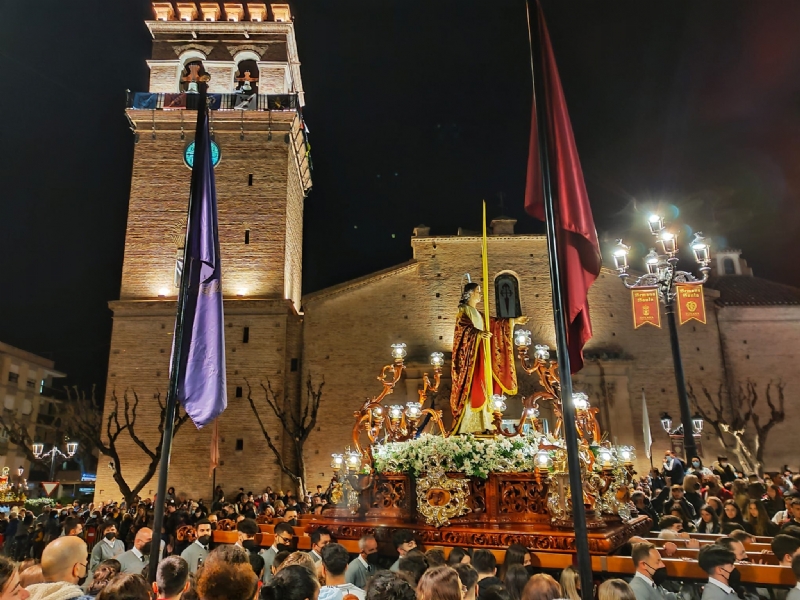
<point x="262" y="168"/>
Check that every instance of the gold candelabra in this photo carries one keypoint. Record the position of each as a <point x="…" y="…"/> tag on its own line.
<point x="396" y="423"/>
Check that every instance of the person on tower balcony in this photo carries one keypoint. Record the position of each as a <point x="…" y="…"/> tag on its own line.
<point x="469" y="395"/>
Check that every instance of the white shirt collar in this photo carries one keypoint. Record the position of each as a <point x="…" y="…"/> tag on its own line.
<point x="723" y="586"/>
<point x="110" y="542"/>
<point x="199" y="544"/>
<point x="364" y="562"/>
<point x="647" y="580"/>
<point x="317" y="554"/>
<point x="136" y="553"/>
<point x="798" y="585"/>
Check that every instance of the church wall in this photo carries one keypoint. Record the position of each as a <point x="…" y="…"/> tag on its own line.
<point x="349" y="331"/>
<point x="762" y="344"/>
<point x="139" y="360"/>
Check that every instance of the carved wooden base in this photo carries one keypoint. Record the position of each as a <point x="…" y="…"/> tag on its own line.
<point x="538" y="537"/>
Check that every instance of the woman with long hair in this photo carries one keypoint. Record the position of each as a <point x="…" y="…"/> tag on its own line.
<point x="716" y="504"/>
<point x="708" y="521"/>
<point x="691" y="491"/>
<point x="759" y="520"/>
<point x="773" y="499"/>
<point x="459" y="556"/>
<point x="615" y="589"/>
<point x="732" y="518"/>
<point x="541" y="587"/>
<point x="439" y="583"/>
<point x="515" y="581"/>
<point x="516" y="554"/>
<point x="570" y="581"/>
<point x="740" y="495"/>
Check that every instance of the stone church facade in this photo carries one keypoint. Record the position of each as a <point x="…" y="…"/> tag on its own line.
<point x="275" y="334"/>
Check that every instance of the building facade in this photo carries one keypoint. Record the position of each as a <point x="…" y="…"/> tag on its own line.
<point x="26" y="382"/>
<point x="342" y="335"/>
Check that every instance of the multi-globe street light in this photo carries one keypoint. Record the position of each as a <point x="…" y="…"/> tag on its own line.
<point x="663" y="274"/>
<point x="54" y="454"/>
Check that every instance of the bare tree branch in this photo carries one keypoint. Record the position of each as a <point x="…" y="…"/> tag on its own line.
<point x="85" y="421"/>
<point x="745" y="425"/>
<point x="297" y="426"/>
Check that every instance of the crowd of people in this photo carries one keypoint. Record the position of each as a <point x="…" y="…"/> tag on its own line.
<point x="47" y="558"/>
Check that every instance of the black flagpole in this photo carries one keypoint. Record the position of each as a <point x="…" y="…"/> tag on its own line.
<point x="559" y="314"/>
<point x="172" y="393"/>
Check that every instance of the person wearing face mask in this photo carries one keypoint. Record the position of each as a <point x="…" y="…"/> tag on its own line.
<point x="108" y="547"/>
<point x="64" y="569"/>
<point x="723" y="576"/>
<point x="651" y="573"/>
<point x="364" y="565"/>
<point x="138" y="557"/>
<point x="195" y="554"/>
<point x="284" y="534"/>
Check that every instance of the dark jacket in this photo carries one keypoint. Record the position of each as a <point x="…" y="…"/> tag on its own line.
<point x="485" y="584"/>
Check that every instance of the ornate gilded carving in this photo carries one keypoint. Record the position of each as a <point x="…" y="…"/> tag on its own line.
<point x="440" y="498"/>
<point x="522" y="497"/>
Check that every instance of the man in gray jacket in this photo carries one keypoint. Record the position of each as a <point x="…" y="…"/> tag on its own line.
<point x="138" y="557"/>
<point x="723" y="576"/>
<point x="651" y="573"/>
<point x="196" y="553"/>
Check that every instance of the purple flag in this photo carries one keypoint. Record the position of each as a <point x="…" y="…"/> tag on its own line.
<point x="201" y="374"/>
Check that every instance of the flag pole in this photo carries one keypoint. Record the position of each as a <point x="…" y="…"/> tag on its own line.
<point x="172" y="393"/>
<point x="487" y="344"/>
<point x="559" y="314"/>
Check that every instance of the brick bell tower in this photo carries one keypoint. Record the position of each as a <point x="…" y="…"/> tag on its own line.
<point x="262" y="175"/>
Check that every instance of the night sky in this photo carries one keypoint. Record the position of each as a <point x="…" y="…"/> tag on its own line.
<point x="417" y="111"/>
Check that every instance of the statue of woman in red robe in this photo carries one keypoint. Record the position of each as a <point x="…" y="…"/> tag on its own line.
<point x="469" y="397"/>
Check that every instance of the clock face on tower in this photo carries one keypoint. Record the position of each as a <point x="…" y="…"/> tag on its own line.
<point x="188" y="154"/>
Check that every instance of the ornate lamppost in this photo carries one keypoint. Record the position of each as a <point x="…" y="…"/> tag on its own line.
<point x="54" y="454"/>
<point x="676" y="434"/>
<point x="663" y="275"/>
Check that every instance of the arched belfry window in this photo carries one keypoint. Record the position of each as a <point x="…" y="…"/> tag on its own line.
<point x="190" y="76"/>
<point x="729" y="266"/>
<point x="246" y="77"/>
<point x="506" y="296"/>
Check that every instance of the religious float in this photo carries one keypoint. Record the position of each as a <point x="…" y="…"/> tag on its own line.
<point x="484" y="481"/>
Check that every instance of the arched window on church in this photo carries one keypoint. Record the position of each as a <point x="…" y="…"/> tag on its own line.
<point x="245" y="79"/>
<point x="506" y="296"/>
<point x="729" y="266"/>
<point x="190" y="76"/>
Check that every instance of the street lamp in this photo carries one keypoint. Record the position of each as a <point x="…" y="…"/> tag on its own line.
<point x="53" y="455"/>
<point x="662" y="273"/>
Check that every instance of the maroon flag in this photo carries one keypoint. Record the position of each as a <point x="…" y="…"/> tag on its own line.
<point x="577" y="238"/>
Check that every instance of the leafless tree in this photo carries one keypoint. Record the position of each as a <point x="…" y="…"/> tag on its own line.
<point x="85" y="422"/>
<point x="739" y="426"/>
<point x="297" y="425"/>
<point x="18" y="434"/>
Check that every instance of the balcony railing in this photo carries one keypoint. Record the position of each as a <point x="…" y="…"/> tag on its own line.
<point x="186" y="101"/>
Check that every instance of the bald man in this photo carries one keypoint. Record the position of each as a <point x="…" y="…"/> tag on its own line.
<point x="64" y="568"/>
<point x="138" y="557"/>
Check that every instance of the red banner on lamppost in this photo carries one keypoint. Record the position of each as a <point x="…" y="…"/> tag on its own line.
<point x="691" y="304"/>
<point x="645" y="307"/>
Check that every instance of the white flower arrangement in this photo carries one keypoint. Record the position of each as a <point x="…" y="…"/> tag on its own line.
<point x="458" y="454"/>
